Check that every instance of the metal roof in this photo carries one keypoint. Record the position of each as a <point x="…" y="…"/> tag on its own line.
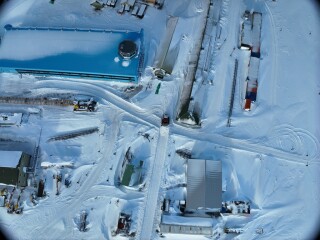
<point x="91" y="53"/>
<point x="204" y="184"/>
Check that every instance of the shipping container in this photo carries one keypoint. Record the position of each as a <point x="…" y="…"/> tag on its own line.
<point x="247" y="104"/>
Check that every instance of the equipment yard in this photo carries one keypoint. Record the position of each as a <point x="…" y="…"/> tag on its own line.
<point x="151" y="119"/>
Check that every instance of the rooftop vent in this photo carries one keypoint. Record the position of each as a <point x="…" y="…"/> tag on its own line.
<point x="127" y="49"/>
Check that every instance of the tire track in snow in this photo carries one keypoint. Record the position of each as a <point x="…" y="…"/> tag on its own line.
<point x="240" y="144"/>
<point x="296" y="140"/>
<point x="275" y="57"/>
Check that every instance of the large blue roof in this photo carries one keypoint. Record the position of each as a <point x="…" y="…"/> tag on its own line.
<point x="90" y="52"/>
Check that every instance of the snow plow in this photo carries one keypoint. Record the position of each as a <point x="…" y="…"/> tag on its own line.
<point x="84" y="105"/>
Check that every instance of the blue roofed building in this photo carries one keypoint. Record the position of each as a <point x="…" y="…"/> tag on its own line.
<point x="70" y="52"/>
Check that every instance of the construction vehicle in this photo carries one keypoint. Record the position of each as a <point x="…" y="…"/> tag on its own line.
<point x="84" y="105"/>
<point x="17" y="208"/>
<point x="4" y="192"/>
<point x="8" y="203"/>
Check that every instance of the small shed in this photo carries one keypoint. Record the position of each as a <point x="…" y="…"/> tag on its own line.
<point x="10" y="119"/>
<point x="13" y="166"/>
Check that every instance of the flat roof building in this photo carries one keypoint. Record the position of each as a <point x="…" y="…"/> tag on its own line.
<point x="204" y="185"/>
<point x="251" y="31"/>
<point x="71" y="52"/>
<point x="13" y="166"/>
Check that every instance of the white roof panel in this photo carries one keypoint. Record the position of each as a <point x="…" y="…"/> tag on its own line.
<point x="10" y="159"/>
<point x="253" y="68"/>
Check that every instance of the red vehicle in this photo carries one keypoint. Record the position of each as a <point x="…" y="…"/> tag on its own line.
<point x="165" y="120"/>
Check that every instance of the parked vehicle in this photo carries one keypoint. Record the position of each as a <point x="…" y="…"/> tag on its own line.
<point x="165" y="120"/>
<point x="84" y="105"/>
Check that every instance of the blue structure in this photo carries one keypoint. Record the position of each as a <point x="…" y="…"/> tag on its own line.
<point x="70" y="52"/>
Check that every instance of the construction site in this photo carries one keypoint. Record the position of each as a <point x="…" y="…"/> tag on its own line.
<point x="151" y="119"/>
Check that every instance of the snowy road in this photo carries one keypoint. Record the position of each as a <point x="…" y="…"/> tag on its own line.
<point x="153" y="187"/>
<point x="147" y="117"/>
<point x="274" y="53"/>
<point x="241" y="144"/>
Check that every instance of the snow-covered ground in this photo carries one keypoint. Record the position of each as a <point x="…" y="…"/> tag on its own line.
<point x="270" y="155"/>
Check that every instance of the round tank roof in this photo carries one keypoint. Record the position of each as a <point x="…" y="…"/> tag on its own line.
<point x="127" y="49"/>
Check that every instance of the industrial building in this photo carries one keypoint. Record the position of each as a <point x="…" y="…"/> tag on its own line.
<point x="250" y="35"/>
<point x="251" y="32"/>
<point x="204" y="185"/>
<point x="72" y="52"/>
<point x="13" y="166"/>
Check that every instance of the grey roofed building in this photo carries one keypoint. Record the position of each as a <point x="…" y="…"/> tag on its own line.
<point x="13" y="166"/>
<point x="204" y="184"/>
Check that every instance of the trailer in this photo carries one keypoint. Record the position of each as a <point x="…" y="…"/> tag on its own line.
<point x="142" y="10"/>
<point x="121" y="9"/>
<point x="111" y="3"/>
<point x="135" y="10"/>
<point x="131" y="3"/>
<point x="126" y="7"/>
<point x="247" y="104"/>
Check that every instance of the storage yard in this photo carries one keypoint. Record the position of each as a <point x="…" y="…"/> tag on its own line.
<point x="113" y="120"/>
